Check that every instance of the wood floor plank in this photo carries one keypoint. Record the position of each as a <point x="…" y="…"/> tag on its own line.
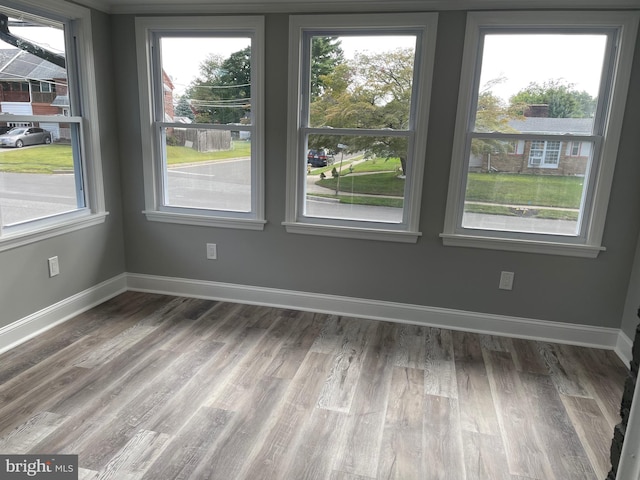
<point x="439" y="366"/>
<point x="524" y="455"/>
<point x="293" y="351"/>
<point x="484" y="457"/>
<point x="99" y="448"/>
<point x="304" y="396"/>
<point x="349" y="349"/>
<point x="475" y="400"/>
<point x="20" y="440"/>
<point x="362" y="433"/>
<point x="604" y="380"/>
<point x="40" y="398"/>
<point x="443" y="448"/>
<point x="277" y="452"/>
<point x="253" y="365"/>
<point x="527" y="355"/>
<point x="316" y="451"/>
<point x="593" y="430"/>
<point x="135" y="457"/>
<point x="557" y="435"/>
<point x="402" y="449"/>
<point x="235" y="449"/>
<point x="411" y="348"/>
<point x="182" y="455"/>
<point x="564" y="371"/>
<point x="87" y="414"/>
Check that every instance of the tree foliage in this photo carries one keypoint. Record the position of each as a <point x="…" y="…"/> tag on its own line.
<point x="563" y="99"/>
<point x="183" y="109"/>
<point x="373" y="91"/>
<point x="222" y="92"/>
<point x="326" y="54"/>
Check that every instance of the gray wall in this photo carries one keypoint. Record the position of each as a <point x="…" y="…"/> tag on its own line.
<point x="585" y="291"/>
<point x="89" y="256"/>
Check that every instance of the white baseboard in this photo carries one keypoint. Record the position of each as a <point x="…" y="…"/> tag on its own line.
<point x="517" y="327"/>
<point x="623" y="347"/>
<point x="41" y="321"/>
<point x="567" y="333"/>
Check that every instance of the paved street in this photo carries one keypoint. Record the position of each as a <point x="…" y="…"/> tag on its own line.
<point x="225" y="186"/>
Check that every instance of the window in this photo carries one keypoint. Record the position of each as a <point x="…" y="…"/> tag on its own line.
<point x="544" y="154"/>
<point x="359" y="90"/>
<point x="563" y="114"/>
<point x="50" y="174"/>
<point x="575" y="149"/>
<point x="202" y="116"/>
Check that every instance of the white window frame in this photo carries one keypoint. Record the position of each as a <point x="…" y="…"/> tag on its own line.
<point x="152" y="150"/>
<point x="425" y="25"/>
<point x="81" y="73"/>
<point x="606" y="137"/>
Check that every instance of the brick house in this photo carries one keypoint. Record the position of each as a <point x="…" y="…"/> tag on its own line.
<point x="30" y="85"/>
<point x="542" y="157"/>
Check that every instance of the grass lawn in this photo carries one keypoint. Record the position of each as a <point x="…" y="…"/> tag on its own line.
<point x="513" y="189"/>
<point x="375" y="184"/>
<point x="178" y="155"/>
<point x="52" y="158"/>
<point x="378" y="165"/>
<point x="356" y="200"/>
<point x="539" y="213"/>
<point x="41" y="159"/>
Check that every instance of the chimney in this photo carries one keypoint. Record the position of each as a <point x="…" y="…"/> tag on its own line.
<point x="540" y="110"/>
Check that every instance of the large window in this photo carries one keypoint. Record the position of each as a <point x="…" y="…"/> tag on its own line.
<point x="536" y="141"/>
<point x="201" y="105"/>
<point x="50" y="175"/>
<point x="359" y="89"/>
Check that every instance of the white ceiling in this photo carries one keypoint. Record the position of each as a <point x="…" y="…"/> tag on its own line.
<point x="264" y="6"/>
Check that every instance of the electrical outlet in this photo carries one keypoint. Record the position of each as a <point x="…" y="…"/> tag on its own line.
<point x="506" y="280"/>
<point x="212" y="251"/>
<point x="54" y="266"/>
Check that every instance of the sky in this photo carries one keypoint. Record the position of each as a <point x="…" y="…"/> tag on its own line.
<point x="523" y="59"/>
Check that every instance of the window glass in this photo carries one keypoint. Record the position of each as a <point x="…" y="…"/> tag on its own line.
<point x="201" y="81"/>
<point x="535" y="87"/>
<point x="357" y="161"/>
<point x="541" y="99"/>
<point x="40" y="167"/>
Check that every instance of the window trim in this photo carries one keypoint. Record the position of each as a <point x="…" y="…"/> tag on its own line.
<point x="298" y="24"/>
<point x="589" y="244"/>
<point x="81" y="64"/>
<point x="151" y="154"/>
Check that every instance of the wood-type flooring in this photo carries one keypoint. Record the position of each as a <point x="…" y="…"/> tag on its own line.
<point x="155" y="387"/>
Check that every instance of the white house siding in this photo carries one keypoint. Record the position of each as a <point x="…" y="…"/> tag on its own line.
<point x="16" y="108"/>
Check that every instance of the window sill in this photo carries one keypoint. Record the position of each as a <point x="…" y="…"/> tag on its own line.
<point x="352" y="232"/>
<point x="204" y="220"/>
<point x="44" y="232"/>
<point x="519" y="245"/>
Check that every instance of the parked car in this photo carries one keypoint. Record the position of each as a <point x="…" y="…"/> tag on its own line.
<point x="21" y="136"/>
<point x="317" y="158"/>
<point x="4" y="130"/>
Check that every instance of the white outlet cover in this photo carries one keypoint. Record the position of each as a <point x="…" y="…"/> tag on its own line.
<point x="212" y="251"/>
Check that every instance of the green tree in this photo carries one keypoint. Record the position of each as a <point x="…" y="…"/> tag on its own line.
<point x="183" y="109"/>
<point x="563" y="99"/>
<point x="326" y="54"/>
<point x="222" y="92"/>
<point x="492" y="115"/>
<point x="373" y="91"/>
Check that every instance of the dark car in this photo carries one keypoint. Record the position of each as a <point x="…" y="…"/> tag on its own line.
<point x="21" y="136"/>
<point x="317" y="158"/>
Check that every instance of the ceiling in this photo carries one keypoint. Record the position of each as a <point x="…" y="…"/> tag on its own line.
<point x="265" y="6"/>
